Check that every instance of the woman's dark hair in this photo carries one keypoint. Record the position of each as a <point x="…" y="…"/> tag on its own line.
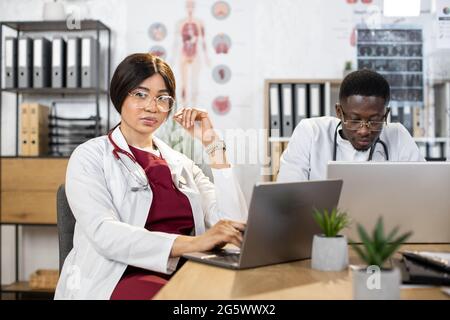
<point x="133" y="70"/>
<point x="365" y="83"/>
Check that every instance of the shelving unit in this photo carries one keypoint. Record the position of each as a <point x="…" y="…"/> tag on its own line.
<point x="22" y="27"/>
<point x="440" y="91"/>
<point x="23" y="287"/>
<point x="59" y="27"/>
<point x="27" y="200"/>
<point x="62" y="91"/>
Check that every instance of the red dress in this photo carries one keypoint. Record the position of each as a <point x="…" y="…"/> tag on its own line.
<point x="170" y="212"/>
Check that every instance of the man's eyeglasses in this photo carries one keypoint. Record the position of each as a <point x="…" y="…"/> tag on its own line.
<point x="142" y="99"/>
<point x="355" y="125"/>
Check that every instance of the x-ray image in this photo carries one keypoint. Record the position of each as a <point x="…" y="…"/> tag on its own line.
<point x="398" y="36"/>
<point x="414" y="80"/>
<point x="365" y="51"/>
<point x="382" y="51"/>
<point x="398" y="95"/>
<point x="415" y="95"/>
<point x="382" y="35"/>
<point x="397" y="55"/>
<point x="414" y="50"/>
<point x="414" y="65"/>
<point x="365" y="35"/>
<point x="395" y="80"/>
<point x="414" y="35"/>
<point x="398" y="50"/>
<point x="410" y="95"/>
<point x="397" y="65"/>
<point x="365" y="64"/>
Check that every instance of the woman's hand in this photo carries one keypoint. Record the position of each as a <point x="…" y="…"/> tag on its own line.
<point x="223" y="232"/>
<point x="197" y="123"/>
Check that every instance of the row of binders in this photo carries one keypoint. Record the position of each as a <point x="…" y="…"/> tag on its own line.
<point x="34" y="129"/>
<point x="289" y="103"/>
<point x="41" y="63"/>
<point x="413" y="118"/>
<point x="405" y="115"/>
<point x="433" y="151"/>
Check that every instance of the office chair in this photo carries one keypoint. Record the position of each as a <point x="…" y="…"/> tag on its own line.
<point x="66" y="225"/>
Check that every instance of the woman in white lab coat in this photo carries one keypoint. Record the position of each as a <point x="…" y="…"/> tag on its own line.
<point x="139" y="204"/>
<point x="359" y="132"/>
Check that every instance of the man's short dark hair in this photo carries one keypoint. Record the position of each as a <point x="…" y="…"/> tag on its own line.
<point x="365" y="83"/>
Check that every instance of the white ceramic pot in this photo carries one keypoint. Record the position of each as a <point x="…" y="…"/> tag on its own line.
<point x="371" y="283"/>
<point x="54" y="11"/>
<point x="329" y="254"/>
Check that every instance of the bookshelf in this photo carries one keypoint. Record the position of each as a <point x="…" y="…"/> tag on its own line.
<point x="59" y="28"/>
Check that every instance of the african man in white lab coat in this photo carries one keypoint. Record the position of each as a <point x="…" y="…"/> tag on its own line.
<point x="360" y="132"/>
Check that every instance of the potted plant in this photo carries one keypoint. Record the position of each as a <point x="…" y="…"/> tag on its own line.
<point x="377" y="281"/>
<point x="330" y="250"/>
<point x="348" y="67"/>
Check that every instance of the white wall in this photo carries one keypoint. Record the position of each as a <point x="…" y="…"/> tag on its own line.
<point x="271" y="39"/>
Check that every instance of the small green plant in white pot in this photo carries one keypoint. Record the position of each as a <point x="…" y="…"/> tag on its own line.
<point x="330" y="249"/>
<point x="377" y="280"/>
<point x="348" y="68"/>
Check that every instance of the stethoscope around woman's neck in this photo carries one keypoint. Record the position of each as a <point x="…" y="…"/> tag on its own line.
<point x="372" y="148"/>
<point x="118" y="150"/>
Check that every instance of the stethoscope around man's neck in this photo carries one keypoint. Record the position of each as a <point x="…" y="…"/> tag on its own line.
<point x="372" y="148"/>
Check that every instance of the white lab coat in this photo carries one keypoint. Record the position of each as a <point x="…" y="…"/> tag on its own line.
<point x="311" y="148"/>
<point x="110" y="218"/>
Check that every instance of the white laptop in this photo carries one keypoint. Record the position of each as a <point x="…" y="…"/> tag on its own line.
<point x="412" y="195"/>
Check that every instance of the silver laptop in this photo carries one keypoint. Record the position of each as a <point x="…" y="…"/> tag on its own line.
<point x="280" y="225"/>
<point x="412" y="195"/>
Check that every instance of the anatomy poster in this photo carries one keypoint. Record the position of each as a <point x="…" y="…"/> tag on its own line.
<point x="443" y="17"/>
<point x="206" y="44"/>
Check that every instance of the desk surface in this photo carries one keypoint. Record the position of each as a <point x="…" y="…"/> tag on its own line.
<point x="294" y="280"/>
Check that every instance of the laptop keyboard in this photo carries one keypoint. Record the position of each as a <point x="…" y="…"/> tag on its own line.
<point x="229" y="257"/>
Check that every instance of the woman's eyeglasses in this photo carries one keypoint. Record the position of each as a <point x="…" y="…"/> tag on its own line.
<point x="164" y="103"/>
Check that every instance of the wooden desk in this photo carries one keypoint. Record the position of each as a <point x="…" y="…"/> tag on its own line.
<point x="295" y="280"/>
